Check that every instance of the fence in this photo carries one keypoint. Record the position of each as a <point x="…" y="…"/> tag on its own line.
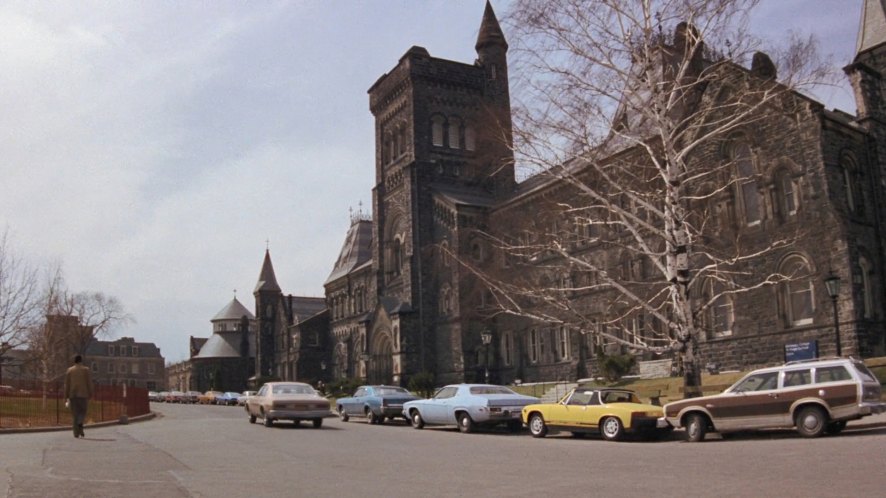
<point x="37" y="404"/>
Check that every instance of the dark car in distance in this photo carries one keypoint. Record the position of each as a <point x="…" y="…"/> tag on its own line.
<point x="376" y="403"/>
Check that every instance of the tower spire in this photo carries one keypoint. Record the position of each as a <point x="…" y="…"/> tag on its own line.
<point x="872" y="30"/>
<point x="490" y="30"/>
<point x="267" y="281"/>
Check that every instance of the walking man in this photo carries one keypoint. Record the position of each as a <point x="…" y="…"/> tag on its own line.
<point x="78" y="390"/>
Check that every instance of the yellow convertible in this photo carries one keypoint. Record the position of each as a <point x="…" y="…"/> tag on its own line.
<point x="611" y="412"/>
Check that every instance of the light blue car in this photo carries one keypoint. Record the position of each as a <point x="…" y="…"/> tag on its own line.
<point x="375" y="403"/>
<point x="469" y="406"/>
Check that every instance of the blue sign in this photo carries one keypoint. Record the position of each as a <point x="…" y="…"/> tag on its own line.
<point x="801" y="351"/>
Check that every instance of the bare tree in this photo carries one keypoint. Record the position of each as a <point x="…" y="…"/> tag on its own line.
<point x="644" y="201"/>
<point x="19" y="297"/>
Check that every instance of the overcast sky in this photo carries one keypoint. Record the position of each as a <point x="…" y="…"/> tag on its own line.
<point x="152" y="147"/>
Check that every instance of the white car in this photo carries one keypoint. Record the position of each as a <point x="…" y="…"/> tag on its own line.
<point x="294" y="401"/>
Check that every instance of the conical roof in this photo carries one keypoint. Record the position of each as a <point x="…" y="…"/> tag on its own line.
<point x="872" y="31"/>
<point x="267" y="281"/>
<point x="233" y="311"/>
<point x="490" y="30"/>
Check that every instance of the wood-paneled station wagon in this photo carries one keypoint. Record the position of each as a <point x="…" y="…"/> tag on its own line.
<point x="814" y="396"/>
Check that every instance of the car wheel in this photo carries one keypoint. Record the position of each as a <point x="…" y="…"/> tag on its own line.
<point x="251" y="418"/>
<point x="268" y="421"/>
<point x="370" y="417"/>
<point x="318" y="423"/>
<point x="811" y="421"/>
<point x="612" y="429"/>
<point x="836" y="427"/>
<point x="515" y="426"/>
<point x="465" y="423"/>
<point x="342" y="415"/>
<point x="416" y="420"/>
<point x="537" y="425"/>
<point x="696" y="427"/>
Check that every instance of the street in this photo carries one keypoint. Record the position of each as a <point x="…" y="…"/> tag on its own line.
<point x="202" y="450"/>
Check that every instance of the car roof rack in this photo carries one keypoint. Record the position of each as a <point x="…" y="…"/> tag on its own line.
<point x="809" y="360"/>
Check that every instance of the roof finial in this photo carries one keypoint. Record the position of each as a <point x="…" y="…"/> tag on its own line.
<point x="268" y="244"/>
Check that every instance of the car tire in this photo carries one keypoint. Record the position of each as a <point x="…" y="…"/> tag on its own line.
<point x="515" y="426"/>
<point x="318" y="423"/>
<point x="416" y="420"/>
<point x="342" y="415"/>
<point x="612" y="429"/>
<point x="835" y="428"/>
<point x="370" y="417"/>
<point x="696" y="427"/>
<point x="268" y="421"/>
<point x="537" y="426"/>
<point x="251" y="418"/>
<point x="811" y="421"/>
<point x="465" y="423"/>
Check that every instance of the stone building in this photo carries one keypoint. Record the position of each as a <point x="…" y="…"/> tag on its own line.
<point x="126" y="361"/>
<point x="226" y="359"/>
<point x="398" y="302"/>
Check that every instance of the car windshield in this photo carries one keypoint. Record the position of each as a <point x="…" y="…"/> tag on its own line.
<point x="292" y="389"/>
<point x="232" y="395"/>
<point x="385" y="391"/>
<point x="491" y="390"/>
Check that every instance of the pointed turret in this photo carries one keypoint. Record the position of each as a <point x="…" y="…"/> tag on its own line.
<point x="872" y="31"/>
<point x="267" y="281"/>
<point x="490" y="31"/>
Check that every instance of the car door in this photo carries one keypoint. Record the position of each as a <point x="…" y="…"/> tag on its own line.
<point x="254" y="402"/>
<point x="438" y="409"/>
<point x="353" y="404"/>
<point x="572" y="412"/>
<point x="754" y="403"/>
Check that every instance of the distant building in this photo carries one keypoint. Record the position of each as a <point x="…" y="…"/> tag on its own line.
<point x="125" y="361"/>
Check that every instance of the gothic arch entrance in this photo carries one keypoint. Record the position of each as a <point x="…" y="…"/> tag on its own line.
<point x="381" y="360"/>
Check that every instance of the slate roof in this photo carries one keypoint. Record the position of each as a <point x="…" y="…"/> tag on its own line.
<point x="233" y="311"/>
<point x="356" y="250"/>
<point x="490" y="30"/>
<point x="306" y="307"/>
<point x="224" y="345"/>
<point x="464" y="196"/>
<point x="872" y="31"/>
<point x="267" y="281"/>
<point x="145" y="349"/>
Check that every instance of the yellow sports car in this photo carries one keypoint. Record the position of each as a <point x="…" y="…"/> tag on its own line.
<point x="611" y="412"/>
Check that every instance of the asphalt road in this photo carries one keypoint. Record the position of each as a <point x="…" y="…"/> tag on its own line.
<point x="198" y="450"/>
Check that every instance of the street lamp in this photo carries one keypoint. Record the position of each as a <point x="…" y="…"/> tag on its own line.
<point x="832" y="284"/>
<point x="486" y="338"/>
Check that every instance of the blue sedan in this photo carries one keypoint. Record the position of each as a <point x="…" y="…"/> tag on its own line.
<point x="469" y="406"/>
<point x="375" y="403"/>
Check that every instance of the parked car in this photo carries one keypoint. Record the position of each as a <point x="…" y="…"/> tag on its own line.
<point x="191" y="396"/>
<point x="294" y="401"/>
<point x="161" y="396"/>
<point x="814" y="396"/>
<point x="227" y="398"/>
<point x="469" y="406"/>
<point x="613" y="413"/>
<point x="153" y="396"/>
<point x="244" y="397"/>
<point x="375" y="403"/>
<point x="174" y="397"/>
<point x="208" y="398"/>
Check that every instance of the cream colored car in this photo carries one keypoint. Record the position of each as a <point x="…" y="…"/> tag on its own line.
<point x="294" y="401"/>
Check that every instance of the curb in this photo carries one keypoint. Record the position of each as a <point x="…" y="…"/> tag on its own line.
<point x="106" y="423"/>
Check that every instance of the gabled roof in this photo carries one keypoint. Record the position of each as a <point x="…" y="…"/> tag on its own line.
<point x="233" y="311"/>
<point x="872" y="31"/>
<point x="306" y="307"/>
<point x="356" y="250"/>
<point x="267" y="281"/>
<point x="464" y="196"/>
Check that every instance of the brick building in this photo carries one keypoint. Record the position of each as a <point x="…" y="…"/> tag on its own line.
<point x="125" y="361"/>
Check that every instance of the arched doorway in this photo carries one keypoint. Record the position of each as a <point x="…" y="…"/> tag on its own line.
<point x="381" y="361"/>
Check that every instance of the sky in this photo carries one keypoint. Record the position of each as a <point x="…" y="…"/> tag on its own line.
<point x="155" y="149"/>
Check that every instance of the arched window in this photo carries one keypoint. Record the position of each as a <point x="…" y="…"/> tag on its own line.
<point x="397" y="256"/>
<point x="437" y="123"/>
<point x="533" y="345"/>
<point x="867" y="287"/>
<point x="786" y="190"/>
<point x="507" y="347"/>
<point x="750" y="194"/>
<point x="852" y="184"/>
<point x="798" y="291"/>
<point x="454" y="133"/>
<point x="722" y="314"/>
<point x="386" y="148"/>
<point x="403" y="148"/>
<point x="470" y="138"/>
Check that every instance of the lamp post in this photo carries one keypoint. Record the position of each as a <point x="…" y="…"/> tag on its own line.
<point x="486" y="338"/>
<point x="832" y="284"/>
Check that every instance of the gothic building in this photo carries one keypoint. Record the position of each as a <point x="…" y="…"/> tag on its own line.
<point x="397" y="303"/>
